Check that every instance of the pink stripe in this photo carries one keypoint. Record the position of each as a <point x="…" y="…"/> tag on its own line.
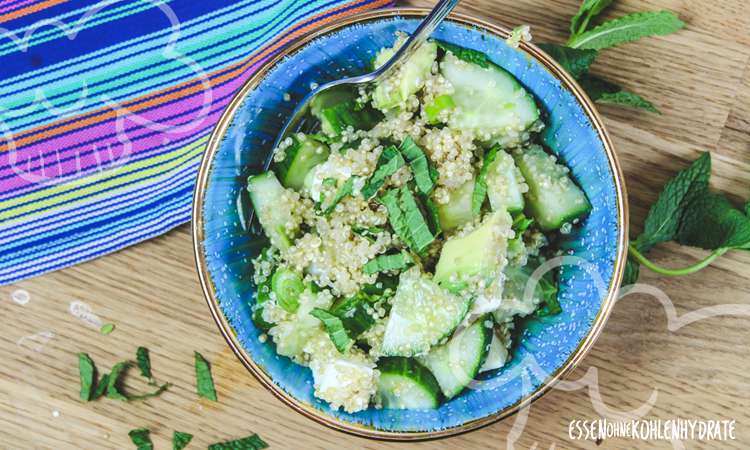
<point x="103" y="154"/>
<point x="4" y="9"/>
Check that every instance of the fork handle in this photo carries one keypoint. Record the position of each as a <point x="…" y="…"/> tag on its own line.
<point x="423" y="31"/>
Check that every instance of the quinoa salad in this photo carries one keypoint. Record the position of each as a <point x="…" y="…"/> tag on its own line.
<point x="403" y="232"/>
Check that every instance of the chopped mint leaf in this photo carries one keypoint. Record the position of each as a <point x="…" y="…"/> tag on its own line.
<point x="480" y="187"/>
<point x="148" y="395"/>
<point x="547" y="288"/>
<point x="87" y="373"/>
<point x="180" y="440"/>
<point x="113" y="382"/>
<point x="396" y="216"/>
<point x="144" y="363"/>
<point x="107" y="328"/>
<point x="588" y="10"/>
<point x="711" y="222"/>
<point x="466" y="54"/>
<point x="420" y="236"/>
<point x="141" y="439"/>
<point x="335" y="329"/>
<point x="663" y="219"/>
<point x="425" y="175"/>
<point x="627" y="29"/>
<point x="575" y="60"/>
<point x="253" y="442"/>
<point x="389" y="161"/>
<point x="101" y="387"/>
<point x="386" y="263"/>
<point x="344" y="190"/>
<point x="368" y="233"/>
<point x="431" y="213"/>
<point x="353" y="312"/>
<point x="204" y="379"/>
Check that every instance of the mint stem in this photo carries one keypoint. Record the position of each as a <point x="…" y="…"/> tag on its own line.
<point x="675" y="272"/>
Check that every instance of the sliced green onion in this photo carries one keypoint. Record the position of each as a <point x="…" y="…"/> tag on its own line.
<point x="288" y="286"/>
<point x="441" y="103"/>
<point x="335" y="329"/>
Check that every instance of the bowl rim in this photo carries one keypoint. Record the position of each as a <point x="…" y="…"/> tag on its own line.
<point x="209" y="290"/>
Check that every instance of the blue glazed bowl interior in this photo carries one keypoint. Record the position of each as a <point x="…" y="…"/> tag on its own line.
<point x="230" y="243"/>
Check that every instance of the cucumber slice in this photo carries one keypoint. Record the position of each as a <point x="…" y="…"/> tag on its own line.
<point x="408" y="80"/>
<point x="457" y="363"/>
<point x="553" y="198"/>
<point x="505" y="185"/>
<point x="489" y="102"/>
<point x="406" y="384"/>
<point x="497" y="356"/>
<point x="273" y="214"/>
<point x="422" y="314"/>
<point x="338" y="108"/>
<point x="457" y="211"/>
<point x="480" y="253"/>
<point x="301" y="156"/>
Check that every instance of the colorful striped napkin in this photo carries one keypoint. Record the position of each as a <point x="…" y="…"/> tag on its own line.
<point x="106" y="107"/>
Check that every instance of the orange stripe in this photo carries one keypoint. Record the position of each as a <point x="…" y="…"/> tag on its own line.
<point x="29" y="10"/>
<point x="154" y="99"/>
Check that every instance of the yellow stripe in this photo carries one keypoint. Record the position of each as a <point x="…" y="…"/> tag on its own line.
<point x="66" y="191"/>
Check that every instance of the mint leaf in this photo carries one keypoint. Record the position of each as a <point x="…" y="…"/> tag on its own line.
<point x="101" y="387"/>
<point x="87" y="374"/>
<point x="711" y="222"/>
<point x="396" y="216"/>
<point x="632" y="271"/>
<point x="480" y="186"/>
<point x="180" y="440"/>
<point x="424" y="174"/>
<point x="626" y="29"/>
<point x="575" y="60"/>
<point x="141" y="439"/>
<point x="344" y="190"/>
<point x="747" y="208"/>
<point x="587" y="11"/>
<point x="420" y="236"/>
<point x="204" y="380"/>
<point x="664" y="217"/>
<point x="389" y="161"/>
<point x="113" y="381"/>
<point x="431" y="214"/>
<point x="465" y="54"/>
<point x="385" y="263"/>
<point x="335" y="329"/>
<point x="144" y="363"/>
<point x="107" y="328"/>
<point x="603" y="91"/>
<point x="253" y="442"/>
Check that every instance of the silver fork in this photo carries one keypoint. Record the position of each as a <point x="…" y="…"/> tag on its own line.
<point x="423" y="31"/>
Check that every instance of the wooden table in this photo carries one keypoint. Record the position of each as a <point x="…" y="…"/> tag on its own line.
<point x="699" y="78"/>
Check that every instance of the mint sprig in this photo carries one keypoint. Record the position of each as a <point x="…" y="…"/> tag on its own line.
<point x="584" y="42"/>
<point x="687" y="212"/>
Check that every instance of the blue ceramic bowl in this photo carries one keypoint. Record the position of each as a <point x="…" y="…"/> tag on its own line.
<point x="225" y="243"/>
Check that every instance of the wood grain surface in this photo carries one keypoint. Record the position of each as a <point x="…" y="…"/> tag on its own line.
<point x="698" y="77"/>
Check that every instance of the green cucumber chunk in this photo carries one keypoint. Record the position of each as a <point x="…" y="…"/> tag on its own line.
<point x="478" y="254"/>
<point x="489" y="102"/>
<point x="406" y="384"/>
<point x="505" y="185"/>
<point x="456" y="363"/>
<point x="273" y="214"/>
<point x="408" y="79"/>
<point x="422" y="314"/>
<point x="288" y="286"/>
<point x="553" y="198"/>
<point x="302" y="155"/>
<point x="457" y="211"/>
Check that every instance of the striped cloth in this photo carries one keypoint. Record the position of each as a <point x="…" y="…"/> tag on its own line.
<point x="106" y="107"/>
